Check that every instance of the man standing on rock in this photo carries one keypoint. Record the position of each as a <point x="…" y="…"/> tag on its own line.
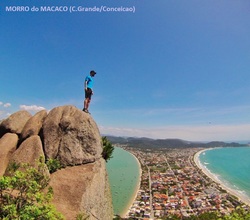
<point x="88" y="86"/>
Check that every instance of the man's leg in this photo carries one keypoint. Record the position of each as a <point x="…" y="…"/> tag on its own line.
<point x="86" y="104"/>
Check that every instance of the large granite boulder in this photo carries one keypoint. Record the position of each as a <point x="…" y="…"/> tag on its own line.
<point x="8" y="144"/>
<point x="34" y="125"/>
<point x="83" y="190"/>
<point x="30" y="152"/>
<point x="14" y="123"/>
<point x="71" y="136"/>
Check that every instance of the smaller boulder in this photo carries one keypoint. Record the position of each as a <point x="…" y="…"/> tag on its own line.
<point x="33" y="125"/>
<point x="30" y="152"/>
<point x="14" y="123"/>
<point x="8" y="144"/>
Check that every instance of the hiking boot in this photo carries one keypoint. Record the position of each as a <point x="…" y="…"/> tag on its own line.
<point x="86" y="110"/>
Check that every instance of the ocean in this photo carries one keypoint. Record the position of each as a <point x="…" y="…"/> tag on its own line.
<point x="124" y="176"/>
<point x="231" y="166"/>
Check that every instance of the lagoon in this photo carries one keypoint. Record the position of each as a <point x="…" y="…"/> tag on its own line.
<point x="124" y="177"/>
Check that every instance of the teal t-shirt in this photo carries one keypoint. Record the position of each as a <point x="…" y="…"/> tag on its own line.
<point x="89" y="80"/>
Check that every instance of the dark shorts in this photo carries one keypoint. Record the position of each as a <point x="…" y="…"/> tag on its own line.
<point x="88" y="93"/>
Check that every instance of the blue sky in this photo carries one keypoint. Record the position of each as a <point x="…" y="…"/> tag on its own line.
<point x="172" y="69"/>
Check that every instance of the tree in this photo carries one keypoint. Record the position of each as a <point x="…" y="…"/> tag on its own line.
<point x="23" y="196"/>
<point x="238" y="214"/>
<point x="107" y="149"/>
<point x="205" y="216"/>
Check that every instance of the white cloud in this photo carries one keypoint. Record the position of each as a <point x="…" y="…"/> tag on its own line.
<point x="34" y="108"/>
<point x="191" y="133"/>
<point x="3" y="112"/>
<point x="6" y="105"/>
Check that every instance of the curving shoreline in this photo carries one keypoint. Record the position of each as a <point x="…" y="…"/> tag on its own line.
<point x="126" y="211"/>
<point x="213" y="177"/>
<point x="124" y="190"/>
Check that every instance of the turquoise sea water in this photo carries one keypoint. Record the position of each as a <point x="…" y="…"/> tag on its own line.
<point x="231" y="165"/>
<point x="124" y="174"/>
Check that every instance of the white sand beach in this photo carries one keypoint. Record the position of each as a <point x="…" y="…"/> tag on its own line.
<point x="234" y="192"/>
<point x="125" y="213"/>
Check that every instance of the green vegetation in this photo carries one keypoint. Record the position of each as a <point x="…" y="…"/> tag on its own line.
<point x="53" y="165"/>
<point x="237" y="214"/>
<point x="23" y="196"/>
<point x="82" y="216"/>
<point x="107" y="149"/>
<point x="174" y="167"/>
<point x="12" y="167"/>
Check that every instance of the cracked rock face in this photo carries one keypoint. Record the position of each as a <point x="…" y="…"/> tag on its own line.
<point x="71" y="136"/>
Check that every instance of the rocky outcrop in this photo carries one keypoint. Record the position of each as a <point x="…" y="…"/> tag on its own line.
<point x="88" y="180"/>
<point x="72" y="137"/>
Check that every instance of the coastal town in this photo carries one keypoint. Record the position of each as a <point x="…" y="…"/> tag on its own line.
<point x="173" y="185"/>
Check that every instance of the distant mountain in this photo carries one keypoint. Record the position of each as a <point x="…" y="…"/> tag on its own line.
<point x="167" y="143"/>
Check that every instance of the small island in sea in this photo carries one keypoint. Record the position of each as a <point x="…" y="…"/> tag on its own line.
<point x="173" y="183"/>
